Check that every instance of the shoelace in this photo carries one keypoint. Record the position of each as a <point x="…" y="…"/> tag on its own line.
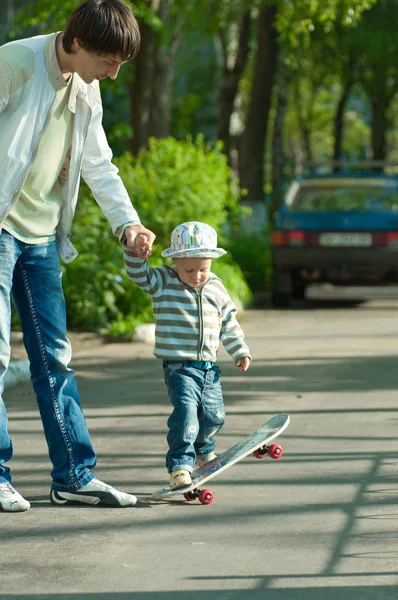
<point x="7" y="489"/>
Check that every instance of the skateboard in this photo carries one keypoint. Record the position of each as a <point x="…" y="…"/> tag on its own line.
<point x="258" y="443"/>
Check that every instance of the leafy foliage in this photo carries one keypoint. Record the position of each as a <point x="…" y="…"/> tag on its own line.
<point x="252" y="254"/>
<point x="176" y="181"/>
<point x="297" y="19"/>
<point x="170" y="183"/>
<point x="96" y="287"/>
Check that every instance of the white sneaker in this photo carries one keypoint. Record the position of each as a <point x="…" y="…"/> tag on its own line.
<point x="11" y="500"/>
<point x="94" y="492"/>
<point x="203" y="459"/>
<point x="180" y="478"/>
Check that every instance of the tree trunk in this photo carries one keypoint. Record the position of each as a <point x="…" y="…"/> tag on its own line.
<point x="252" y="143"/>
<point x="150" y="90"/>
<point x="305" y="129"/>
<point x="277" y="140"/>
<point x="159" y="124"/>
<point x="164" y="55"/>
<point x="304" y="118"/>
<point x="230" y="82"/>
<point x="141" y="90"/>
<point x="339" y="124"/>
<point x="379" y="126"/>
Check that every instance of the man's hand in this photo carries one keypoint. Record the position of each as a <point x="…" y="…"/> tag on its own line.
<point x="139" y="240"/>
<point x="243" y="363"/>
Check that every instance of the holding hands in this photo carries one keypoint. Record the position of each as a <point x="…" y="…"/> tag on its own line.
<point x="139" y="240"/>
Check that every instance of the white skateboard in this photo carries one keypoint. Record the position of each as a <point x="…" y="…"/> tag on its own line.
<point x="258" y="443"/>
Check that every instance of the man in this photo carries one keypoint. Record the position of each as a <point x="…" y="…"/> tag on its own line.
<point x="50" y="134"/>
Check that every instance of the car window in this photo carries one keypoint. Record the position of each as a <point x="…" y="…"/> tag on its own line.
<point x="349" y="198"/>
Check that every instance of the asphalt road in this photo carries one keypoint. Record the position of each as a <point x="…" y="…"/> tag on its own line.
<point x="321" y="523"/>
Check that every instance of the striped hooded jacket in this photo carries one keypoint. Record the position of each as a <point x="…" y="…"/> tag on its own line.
<point x="189" y="323"/>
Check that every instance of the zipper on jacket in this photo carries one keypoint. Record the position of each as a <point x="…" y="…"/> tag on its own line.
<point x="201" y="336"/>
<point x="201" y="319"/>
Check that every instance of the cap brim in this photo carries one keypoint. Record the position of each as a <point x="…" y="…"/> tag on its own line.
<point x="194" y="253"/>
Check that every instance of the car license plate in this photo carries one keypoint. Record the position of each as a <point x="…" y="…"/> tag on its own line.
<point x="345" y="239"/>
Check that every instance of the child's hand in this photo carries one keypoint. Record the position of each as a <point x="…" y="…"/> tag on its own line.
<point x="141" y="246"/>
<point x="139" y="240"/>
<point x="243" y="363"/>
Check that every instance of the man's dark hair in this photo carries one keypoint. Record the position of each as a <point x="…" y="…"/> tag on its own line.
<point x="103" y="27"/>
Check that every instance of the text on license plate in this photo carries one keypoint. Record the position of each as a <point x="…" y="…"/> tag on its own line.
<point x="345" y="239"/>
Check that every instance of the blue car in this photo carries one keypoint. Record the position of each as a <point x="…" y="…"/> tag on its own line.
<point x="338" y="229"/>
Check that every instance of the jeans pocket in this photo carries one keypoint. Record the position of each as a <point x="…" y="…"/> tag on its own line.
<point x="171" y="367"/>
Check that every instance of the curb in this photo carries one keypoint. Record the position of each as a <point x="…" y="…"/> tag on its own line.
<point x="17" y="372"/>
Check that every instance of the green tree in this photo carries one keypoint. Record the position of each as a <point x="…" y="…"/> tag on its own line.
<point x="378" y="39"/>
<point x="294" y="21"/>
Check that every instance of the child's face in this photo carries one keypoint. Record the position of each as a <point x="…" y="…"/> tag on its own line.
<point x="193" y="271"/>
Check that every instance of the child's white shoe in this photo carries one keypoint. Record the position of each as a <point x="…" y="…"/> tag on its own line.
<point x="202" y="459"/>
<point x="180" y="478"/>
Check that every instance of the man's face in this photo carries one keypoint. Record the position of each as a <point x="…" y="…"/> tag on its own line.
<point x="91" y="67"/>
<point x="193" y="271"/>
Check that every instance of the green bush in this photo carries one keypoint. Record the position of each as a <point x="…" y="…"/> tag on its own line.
<point x="233" y="279"/>
<point x="172" y="182"/>
<point x="253" y="255"/>
<point x="177" y="181"/>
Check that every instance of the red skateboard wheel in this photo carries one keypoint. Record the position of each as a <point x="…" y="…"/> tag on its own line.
<point x="260" y="452"/>
<point x="275" y="451"/>
<point x="206" y="496"/>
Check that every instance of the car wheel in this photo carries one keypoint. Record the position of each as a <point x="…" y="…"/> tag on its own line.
<point x="281" y="295"/>
<point x="299" y="292"/>
<point x="281" y="299"/>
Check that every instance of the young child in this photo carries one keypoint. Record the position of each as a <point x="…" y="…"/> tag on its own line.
<point x="193" y="312"/>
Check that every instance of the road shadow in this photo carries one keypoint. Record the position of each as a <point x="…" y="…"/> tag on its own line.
<point x="122" y="382"/>
<point x="326" y="592"/>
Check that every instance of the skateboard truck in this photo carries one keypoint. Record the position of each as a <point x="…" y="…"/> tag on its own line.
<point x="274" y="451"/>
<point x="205" y="496"/>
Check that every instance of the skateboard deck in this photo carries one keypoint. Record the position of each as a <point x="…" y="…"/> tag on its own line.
<point x="259" y="440"/>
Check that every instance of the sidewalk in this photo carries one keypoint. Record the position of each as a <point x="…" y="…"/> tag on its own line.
<point x="319" y="523"/>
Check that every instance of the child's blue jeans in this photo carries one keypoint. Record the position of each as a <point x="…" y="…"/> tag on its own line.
<point x="198" y="414"/>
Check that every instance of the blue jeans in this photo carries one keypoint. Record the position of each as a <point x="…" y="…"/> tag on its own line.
<point x="198" y="413"/>
<point x="32" y="273"/>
